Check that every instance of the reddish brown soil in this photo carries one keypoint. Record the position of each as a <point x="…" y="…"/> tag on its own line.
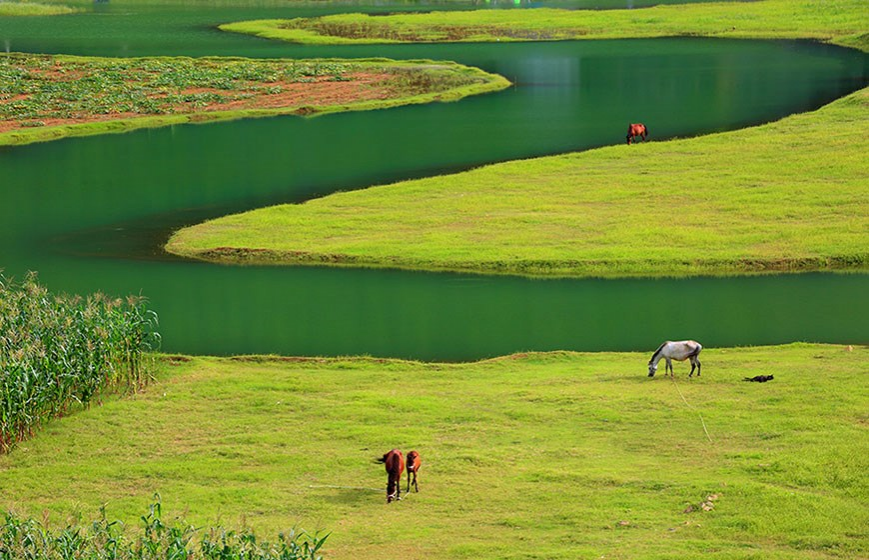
<point x="322" y="92"/>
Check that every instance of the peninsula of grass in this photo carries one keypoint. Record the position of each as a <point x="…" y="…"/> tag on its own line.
<point x="49" y="97"/>
<point x="844" y="22"/>
<point x="8" y="9"/>
<point x="786" y="196"/>
<point x="552" y="456"/>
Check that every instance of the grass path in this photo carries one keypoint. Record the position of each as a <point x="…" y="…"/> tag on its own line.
<point x="558" y="455"/>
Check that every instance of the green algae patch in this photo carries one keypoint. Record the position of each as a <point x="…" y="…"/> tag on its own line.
<point x="49" y="97"/>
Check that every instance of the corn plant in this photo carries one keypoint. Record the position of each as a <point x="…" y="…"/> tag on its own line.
<point x="58" y="352"/>
<point x="103" y="540"/>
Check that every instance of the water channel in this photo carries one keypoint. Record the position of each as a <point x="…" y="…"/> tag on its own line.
<point x="91" y="214"/>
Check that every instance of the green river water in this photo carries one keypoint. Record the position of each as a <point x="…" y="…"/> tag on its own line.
<point x="91" y="214"/>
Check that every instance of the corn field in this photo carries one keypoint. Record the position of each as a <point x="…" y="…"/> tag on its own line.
<point x="59" y="352"/>
<point x="28" y="539"/>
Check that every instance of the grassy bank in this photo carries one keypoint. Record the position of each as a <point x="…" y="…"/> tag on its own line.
<point x="556" y="455"/>
<point x="841" y="21"/>
<point x="49" y="97"/>
<point x="786" y="196"/>
<point x="9" y="9"/>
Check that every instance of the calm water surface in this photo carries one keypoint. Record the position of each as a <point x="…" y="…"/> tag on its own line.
<point x="91" y="214"/>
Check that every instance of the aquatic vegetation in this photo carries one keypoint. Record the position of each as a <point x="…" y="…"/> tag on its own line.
<point x="58" y="352"/>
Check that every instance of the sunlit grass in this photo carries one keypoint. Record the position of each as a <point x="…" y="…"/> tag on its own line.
<point x="10" y="8"/>
<point x="557" y="455"/>
<point x="786" y="196"/>
<point x="844" y="21"/>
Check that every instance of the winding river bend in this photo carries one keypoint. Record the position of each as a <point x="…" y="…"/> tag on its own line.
<point x="91" y="214"/>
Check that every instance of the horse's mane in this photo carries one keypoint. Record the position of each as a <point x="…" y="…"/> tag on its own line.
<point x="658" y="351"/>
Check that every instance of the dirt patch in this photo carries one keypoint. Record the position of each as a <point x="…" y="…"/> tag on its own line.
<point x="318" y="92"/>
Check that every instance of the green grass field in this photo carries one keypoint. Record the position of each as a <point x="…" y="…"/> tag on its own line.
<point x="787" y="196"/>
<point x="8" y="9"/>
<point x="552" y="456"/>
<point x="841" y="21"/>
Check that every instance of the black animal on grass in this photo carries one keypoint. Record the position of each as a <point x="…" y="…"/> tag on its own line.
<point x="760" y="378"/>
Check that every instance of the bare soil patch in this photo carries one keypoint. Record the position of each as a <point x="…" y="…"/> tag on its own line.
<point x="319" y="91"/>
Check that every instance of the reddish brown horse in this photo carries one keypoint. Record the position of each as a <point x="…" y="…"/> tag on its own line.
<point x="413" y="463"/>
<point x="637" y="129"/>
<point x="394" y="462"/>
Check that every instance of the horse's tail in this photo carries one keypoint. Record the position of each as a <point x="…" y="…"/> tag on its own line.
<point x="647" y="130"/>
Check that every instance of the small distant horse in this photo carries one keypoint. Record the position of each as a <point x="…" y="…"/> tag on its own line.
<point x="394" y="462"/>
<point x="682" y="350"/>
<point x="636" y="129"/>
<point x="413" y="463"/>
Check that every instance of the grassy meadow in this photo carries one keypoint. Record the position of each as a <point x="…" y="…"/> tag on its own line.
<point x="554" y="456"/>
<point x="786" y="196"/>
<point x="45" y="97"/>
<point x="9" y="9"/>
<point x="844" y="22"/>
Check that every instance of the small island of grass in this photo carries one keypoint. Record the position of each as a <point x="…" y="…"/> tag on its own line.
<point x="48" y="97"/>
<point x="844" y="21"/>
<point x="33" y="9"/>
<point x="798" y="202"/>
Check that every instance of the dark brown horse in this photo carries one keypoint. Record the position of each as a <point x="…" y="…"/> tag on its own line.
<point x="636" y="129"/>
<point x="394" y="462"/>
<point x="413" y="463"/>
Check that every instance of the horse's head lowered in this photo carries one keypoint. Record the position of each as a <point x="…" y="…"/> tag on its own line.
<point x="652" y="369"/>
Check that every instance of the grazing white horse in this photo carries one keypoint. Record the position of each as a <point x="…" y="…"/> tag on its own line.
<point x="682" y="350"/>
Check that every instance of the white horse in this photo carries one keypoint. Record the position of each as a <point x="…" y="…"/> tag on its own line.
<point x="682" y="350"/>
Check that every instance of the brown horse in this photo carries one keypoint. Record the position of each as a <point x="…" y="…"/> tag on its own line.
<point x="394" y="462"/>
<point x="636" y="129"/>
<point x="413" y="463"/>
